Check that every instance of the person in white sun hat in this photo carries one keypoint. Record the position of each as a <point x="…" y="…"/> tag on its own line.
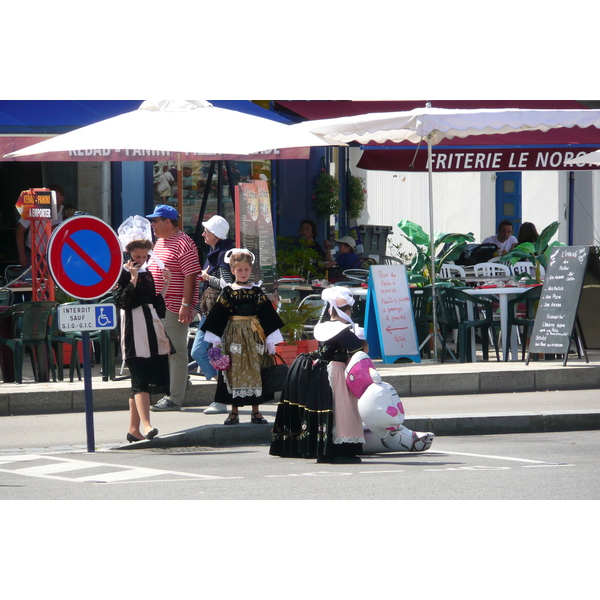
<point x="215" y="275"/>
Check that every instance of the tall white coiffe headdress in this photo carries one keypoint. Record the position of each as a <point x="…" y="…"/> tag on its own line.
<point x="137" y="228"/>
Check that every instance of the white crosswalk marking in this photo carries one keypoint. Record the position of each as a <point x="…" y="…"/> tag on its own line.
<point x="53" y="466"/>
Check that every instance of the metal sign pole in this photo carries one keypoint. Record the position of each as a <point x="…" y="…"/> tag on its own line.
<point x="87" y="386"/>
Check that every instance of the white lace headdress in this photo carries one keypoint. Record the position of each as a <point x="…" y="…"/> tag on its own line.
<point x="137" y="228"/>
<point x="337" y="296"/>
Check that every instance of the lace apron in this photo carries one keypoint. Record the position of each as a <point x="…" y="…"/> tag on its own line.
<point x="244" y="341"/>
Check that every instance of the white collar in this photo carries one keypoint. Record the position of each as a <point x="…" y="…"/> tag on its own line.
<point x="327" y="329"/>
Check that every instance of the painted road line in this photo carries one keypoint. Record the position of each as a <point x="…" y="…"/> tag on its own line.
<point x="115" y="473"/>
<point x="525" y="460"/>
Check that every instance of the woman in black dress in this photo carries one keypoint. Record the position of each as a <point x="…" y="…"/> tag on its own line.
<point x="317" y="415"/>
<point x="144" y="343"/>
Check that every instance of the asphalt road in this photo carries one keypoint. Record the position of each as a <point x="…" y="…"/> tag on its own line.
<point x="542" y="466"/>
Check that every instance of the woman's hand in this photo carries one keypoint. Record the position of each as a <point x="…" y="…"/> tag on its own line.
<point x="133" y="269"/>
<point x="166" y="276"/>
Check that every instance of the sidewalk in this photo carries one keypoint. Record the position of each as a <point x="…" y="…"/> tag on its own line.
<point x="448" y="399"/>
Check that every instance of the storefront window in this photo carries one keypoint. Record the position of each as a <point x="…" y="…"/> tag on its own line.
<point x="196" y="177"/>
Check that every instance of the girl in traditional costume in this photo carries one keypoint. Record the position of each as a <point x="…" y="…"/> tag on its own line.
<point x="317" y="416"/>
<point x="244" y="324"/>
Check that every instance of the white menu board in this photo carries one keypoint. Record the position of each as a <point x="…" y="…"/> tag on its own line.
<point x="389" y="322"/>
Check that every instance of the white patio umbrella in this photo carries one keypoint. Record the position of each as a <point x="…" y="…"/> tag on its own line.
<point x="591" y="158"/>
<point x="435" y="124"/>
<point x="181" y="126"/>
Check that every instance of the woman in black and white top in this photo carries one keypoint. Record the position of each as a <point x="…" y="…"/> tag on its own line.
<point x="144" y="343"/>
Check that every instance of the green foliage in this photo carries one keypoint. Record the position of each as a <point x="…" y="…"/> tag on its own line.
<point x="419" y="266"/>
<point x="297" y="257"/>
<point x="326" y="194"/>
<point x="356" y="196"/>
<point x="295" y="317"/>
<point x="537" y="253"/>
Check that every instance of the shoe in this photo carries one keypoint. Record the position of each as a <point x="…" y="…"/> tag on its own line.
<point x="151" y="434"/>
<point x="258" y="418"/>
<point x="132" y="438"/>
<point x="165" y="404"/>
<point x="215" y="408"/>
<point x="347" y="460"/>
<point x="232" y="419"/>
<point x="339" y="460"/>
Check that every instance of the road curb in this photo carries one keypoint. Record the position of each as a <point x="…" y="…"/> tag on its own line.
<point x="247" y="434"/>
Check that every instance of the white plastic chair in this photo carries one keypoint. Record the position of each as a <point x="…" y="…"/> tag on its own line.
<point x="491" y="270"/>
<point x="449" y="271"/>
<point x="525" y="266"/>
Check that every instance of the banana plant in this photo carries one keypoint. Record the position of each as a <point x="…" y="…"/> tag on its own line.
<point x="419" y="268"/>
<point x="537" y="253"/>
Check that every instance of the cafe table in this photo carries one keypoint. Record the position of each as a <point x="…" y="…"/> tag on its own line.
<point x="504" y="294"/>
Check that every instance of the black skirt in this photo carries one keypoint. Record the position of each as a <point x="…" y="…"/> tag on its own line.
<point x="146" y="372"/>
<point x="304" y="421"/>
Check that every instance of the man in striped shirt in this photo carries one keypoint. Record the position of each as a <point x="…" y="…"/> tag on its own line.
<point x="179" y="254"/>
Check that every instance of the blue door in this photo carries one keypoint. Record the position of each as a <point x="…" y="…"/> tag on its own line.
<point x="508" y="199"/>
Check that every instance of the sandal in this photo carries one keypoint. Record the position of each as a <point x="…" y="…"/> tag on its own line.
<point x="258" y="418"/>
<point x="232" y="419"/>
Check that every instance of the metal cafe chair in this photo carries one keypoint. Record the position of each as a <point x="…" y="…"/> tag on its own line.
<point x="31" y="332"/>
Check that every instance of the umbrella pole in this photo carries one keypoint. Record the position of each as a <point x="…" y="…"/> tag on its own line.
<point x="432" y="247"/>
<point x="179" y="191"/>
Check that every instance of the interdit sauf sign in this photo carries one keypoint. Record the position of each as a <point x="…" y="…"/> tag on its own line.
<point x="475" y="159"/>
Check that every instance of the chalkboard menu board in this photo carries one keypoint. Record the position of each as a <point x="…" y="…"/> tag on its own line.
<point x="389" y="319"/>
<point x="254" y="230"/>
<point x="557" y="309"/>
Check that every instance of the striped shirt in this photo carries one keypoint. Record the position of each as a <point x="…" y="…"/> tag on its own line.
<point x="180" y="255"/>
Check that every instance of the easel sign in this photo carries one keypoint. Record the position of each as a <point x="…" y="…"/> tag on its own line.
<point x="389" y="319"/>
<point x="556" y="321"/>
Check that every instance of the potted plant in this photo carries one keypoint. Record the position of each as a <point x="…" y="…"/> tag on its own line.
<point x="419" y="268"/>
<point x="355" y="201"/>
<point x="537" y="253"/>
<point x="296" y="257"/>
<point x="295" y="317"/>
<point x="326" y="194"/>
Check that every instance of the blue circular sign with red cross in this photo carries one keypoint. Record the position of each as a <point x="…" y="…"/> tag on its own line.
<point x="85" y="257"/>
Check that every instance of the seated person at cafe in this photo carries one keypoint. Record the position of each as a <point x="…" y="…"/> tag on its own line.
<point x="308" y="233"/>
<point x="346" y="258"/>
<point x="504" y="240"/>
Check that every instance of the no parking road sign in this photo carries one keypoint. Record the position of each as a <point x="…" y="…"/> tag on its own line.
<point x="85" y="257"/>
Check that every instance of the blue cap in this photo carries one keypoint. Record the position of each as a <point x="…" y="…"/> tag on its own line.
<point x="163" y="210"/>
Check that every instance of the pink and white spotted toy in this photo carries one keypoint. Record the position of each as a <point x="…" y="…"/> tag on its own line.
<point x="381" y="410"/>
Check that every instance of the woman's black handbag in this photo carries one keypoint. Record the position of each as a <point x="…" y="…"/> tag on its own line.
<point x="273" y="374"/>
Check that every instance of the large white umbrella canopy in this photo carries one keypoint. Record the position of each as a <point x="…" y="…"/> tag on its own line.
<point x="591" y="158"/>
<point x="181" y="126"/>
<point x="435" y="124"/>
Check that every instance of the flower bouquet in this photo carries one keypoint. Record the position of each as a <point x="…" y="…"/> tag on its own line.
<point x="218" y="360"/>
